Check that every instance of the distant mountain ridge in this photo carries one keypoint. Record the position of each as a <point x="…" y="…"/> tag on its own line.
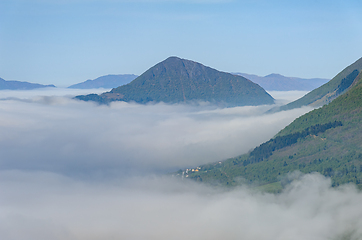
<point x="277" y="82"/>
<point x="18" y="85"/>
<point x="108" y="81"/>
<point x="176" y="80"/>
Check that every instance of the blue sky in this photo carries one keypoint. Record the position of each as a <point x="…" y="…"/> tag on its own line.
<point x="69" y="41"/>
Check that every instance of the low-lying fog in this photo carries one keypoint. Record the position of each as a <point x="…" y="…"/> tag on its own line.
<point x="75" y="170"/>
<point x="46" y="131"/>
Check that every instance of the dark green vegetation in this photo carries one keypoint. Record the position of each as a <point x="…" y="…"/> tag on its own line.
<point x="329" y="91"/>
<point x="327" y="140"/>
<point x="108" y="81"/>
<point x="178" y="80"/>
<point x="266" y="149"/>
<point x="17" y="85"/>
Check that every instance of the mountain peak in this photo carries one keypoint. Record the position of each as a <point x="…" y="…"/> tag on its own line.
<point x="177" y="80"/>
<point x="273" y="75"/>
<point x="172" y="58"/>
<point x="177" y="62"/>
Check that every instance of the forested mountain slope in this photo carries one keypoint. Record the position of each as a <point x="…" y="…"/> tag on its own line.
<point x="327" y="140"/>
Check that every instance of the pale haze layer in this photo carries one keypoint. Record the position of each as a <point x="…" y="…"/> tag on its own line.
<point x="75" y="170"/>
<point x="43" y="206"/>
<point x="55" y="133"/>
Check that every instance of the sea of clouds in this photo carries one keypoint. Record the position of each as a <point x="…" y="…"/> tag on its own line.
<point x="77" y="170"/>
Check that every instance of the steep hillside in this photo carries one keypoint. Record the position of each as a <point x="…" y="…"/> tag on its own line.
<point x="108" y="81"/>
<point x="178" y="80"/>
<point x="327" y="140"/>
<point x="329" y="91"/>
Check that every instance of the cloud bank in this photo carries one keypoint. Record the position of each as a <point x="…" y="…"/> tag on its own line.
<point x="58" y="134"/>
<point x="75" y="170"/>
<point x="46" y="206"/>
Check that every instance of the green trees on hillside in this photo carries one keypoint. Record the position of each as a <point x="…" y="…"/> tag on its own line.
<point x="314" y="142"/>
<point x="347" y="81"/>
<point x="266" y="149"/>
